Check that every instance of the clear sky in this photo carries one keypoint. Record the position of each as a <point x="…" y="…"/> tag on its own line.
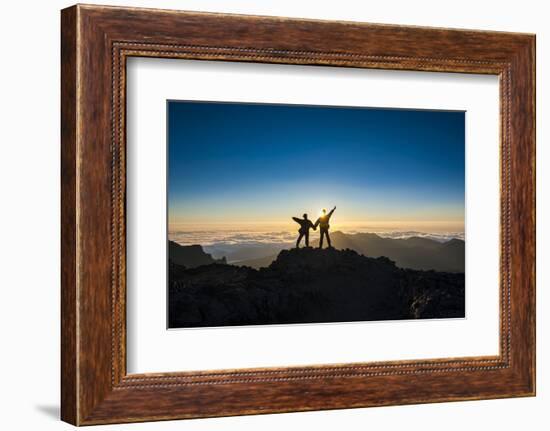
<point x="256" y="164"/>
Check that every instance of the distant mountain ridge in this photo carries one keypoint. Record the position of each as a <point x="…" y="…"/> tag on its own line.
<point x="190" y="256"/>
<point x="414" y="252"/>
<point x="310" y="285"/>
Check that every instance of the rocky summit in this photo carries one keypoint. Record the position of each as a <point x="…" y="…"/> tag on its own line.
<point x="310" y="286"/>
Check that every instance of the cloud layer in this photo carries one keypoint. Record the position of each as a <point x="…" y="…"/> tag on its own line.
<point x="234" y="237"/>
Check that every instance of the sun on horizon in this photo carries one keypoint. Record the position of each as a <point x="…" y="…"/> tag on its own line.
<point x="252" y="167"/>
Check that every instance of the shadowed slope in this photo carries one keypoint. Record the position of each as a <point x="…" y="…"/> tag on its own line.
<point x="308" y="286"/>
<point x="190" y="256"/>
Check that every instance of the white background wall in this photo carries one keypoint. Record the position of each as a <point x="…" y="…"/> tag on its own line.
<point x="29" y="215"/>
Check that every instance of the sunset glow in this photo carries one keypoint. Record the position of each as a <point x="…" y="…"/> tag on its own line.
<point x="251" y="167"/>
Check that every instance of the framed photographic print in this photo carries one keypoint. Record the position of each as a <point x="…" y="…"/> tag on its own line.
<point x="266" y="215"/>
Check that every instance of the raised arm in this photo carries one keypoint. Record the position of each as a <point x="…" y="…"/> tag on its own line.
<point x="331" y="211"/>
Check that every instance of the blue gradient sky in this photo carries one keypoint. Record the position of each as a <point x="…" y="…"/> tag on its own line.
<point x="254" y="164"/>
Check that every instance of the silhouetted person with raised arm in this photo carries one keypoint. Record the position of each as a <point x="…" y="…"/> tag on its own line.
<point x="305" y="226"/>
<point x="322" y="222"/>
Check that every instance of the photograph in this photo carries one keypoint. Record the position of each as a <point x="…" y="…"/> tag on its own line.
<point x="302" y="214"/>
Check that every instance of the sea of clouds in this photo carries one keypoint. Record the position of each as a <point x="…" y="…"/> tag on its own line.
<point x="240" y="237"/>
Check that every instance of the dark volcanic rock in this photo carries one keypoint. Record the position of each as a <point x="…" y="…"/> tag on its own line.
<point x="189" y="256"/>
<point x="307" y="286"/>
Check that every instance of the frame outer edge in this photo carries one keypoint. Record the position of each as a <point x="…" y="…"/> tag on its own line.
<point x="69" y="197"/>
<point x="533" y="53"/>
<point x="531" y="65"/>
<point x="532" y="82"/>
<point x="523" y="216"/>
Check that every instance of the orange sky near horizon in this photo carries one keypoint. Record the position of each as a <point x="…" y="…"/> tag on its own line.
<point x="427" y="226"/>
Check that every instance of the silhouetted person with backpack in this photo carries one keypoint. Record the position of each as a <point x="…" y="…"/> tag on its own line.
<point x="322" y="222"/>
<point x="305" y="226"/>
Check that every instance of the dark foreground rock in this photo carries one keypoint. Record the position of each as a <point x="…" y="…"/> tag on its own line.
<point x="190" y="256"/>
<point x="310" y="286"/>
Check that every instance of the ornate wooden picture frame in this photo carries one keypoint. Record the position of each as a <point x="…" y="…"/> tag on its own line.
<point x="96" y="41"/>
